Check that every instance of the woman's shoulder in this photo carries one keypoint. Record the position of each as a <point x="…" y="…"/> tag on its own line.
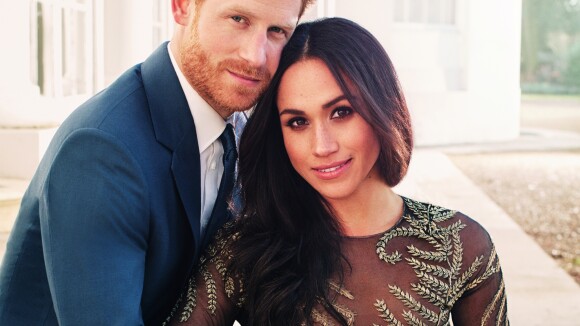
<point x="456" y="235"/>
<point x="439" y="221"/>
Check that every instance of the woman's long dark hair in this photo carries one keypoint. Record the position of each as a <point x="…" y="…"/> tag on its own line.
<point x="289" y="244"/>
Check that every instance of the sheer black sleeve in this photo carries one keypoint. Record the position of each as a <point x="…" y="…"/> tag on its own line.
<point x="213" y="295"/>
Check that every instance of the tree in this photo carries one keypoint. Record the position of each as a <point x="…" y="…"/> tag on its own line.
<point x="550" y="38"/>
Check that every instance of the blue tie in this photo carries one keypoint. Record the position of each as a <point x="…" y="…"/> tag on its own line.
<point x="219" y="214"/>
<point x="228" y="140"/>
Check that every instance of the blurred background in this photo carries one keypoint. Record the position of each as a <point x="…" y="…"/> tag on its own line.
<point x="493" y="85"/>
<point x="550" y="47"/>
<point x="458" y="60"/>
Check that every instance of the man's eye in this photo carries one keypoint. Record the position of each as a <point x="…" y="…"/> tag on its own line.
<point x="277" y="30"/>
<point x="238" y="19"/>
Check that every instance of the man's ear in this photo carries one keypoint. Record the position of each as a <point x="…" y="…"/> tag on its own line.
<point x="182" y="10"/>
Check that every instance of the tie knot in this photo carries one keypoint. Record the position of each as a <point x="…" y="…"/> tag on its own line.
<point x="228" y="139"/>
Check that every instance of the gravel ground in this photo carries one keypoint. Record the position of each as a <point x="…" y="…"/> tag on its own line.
<point x="540" y="191"/>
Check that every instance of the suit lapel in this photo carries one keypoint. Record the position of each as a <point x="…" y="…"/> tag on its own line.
<point x="174" y="128"/>
<point x="185" y="167"/>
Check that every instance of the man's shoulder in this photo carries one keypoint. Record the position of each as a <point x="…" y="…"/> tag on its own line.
<point x="122" y="97"/>
<point x="119" y="113"/>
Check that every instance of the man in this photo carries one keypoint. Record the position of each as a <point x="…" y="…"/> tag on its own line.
<point x="121" y="204"/>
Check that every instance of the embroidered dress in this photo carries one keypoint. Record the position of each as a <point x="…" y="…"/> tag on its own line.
<point x="434" y="265"/>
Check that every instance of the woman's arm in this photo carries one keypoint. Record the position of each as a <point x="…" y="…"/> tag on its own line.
<point x="484" y="300"/>
<point x="213" y="296"/>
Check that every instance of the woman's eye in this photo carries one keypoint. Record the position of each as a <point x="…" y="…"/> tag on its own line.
<point x="296" y="122"/>
<point x="341" y="112"/>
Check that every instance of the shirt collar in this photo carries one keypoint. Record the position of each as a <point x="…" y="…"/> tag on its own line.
<point x="209" y="125"/>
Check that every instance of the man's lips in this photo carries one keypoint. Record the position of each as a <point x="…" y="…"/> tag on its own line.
<point x="332" y="170"/>
<point x="245" y="77"/>
<point x="245" y="73"/>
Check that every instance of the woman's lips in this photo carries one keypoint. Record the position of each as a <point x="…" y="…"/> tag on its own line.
<point x="333" y="170"/>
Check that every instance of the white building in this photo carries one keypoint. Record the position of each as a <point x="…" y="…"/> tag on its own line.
<point x="458" y="61"/>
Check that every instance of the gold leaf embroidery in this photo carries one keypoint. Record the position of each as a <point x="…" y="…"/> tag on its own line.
<point x="191" y="300"/>
<point x="412" y="303"/>
<point x="385" y="314"/>
<point x="320" y="318"/>
<point x="211" y="290"/>
<point x="439" y="271"/>
<point x="348" y="314"/>
<point x="340" y="290"/>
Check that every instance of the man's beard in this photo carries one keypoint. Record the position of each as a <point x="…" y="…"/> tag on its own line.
<point x="207" y="78"/>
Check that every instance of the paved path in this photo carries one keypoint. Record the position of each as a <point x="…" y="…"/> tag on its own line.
<point x="558" y="113"/>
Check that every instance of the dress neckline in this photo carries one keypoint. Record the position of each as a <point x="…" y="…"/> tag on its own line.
<point x="374" y="235"/>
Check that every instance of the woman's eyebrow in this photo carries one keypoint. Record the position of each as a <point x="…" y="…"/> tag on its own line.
<point x="334" y="101"/>
<point x="324" y="106"/>
<point x="291" y="111"/>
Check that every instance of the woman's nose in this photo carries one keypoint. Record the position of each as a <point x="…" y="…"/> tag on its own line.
<point x="325" y="142"/>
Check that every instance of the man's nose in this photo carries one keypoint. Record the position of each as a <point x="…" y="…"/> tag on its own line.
<point x="254" y="49"/>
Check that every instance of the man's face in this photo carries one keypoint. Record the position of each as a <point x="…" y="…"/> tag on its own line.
<point x="231" y="49"/>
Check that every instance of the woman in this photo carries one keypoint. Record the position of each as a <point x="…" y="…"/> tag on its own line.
<point x="322" y="239"/>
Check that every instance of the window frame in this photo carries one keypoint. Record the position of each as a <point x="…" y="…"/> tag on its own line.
<point x="62" y="58"/>
<point x="447" y="15"/>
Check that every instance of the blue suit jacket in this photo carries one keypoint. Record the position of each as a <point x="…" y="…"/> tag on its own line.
<point x="109" y="228"/>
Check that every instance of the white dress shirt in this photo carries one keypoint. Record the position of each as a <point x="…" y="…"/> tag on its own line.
<point x="209" y="125"/>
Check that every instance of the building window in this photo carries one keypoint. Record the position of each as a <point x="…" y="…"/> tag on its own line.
<point x="426" y="12"/>
<point x="62" y="46"/>
<point x="162" y="24"/>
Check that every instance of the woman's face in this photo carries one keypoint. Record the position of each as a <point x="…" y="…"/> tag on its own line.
<point x="329" y="144"/>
